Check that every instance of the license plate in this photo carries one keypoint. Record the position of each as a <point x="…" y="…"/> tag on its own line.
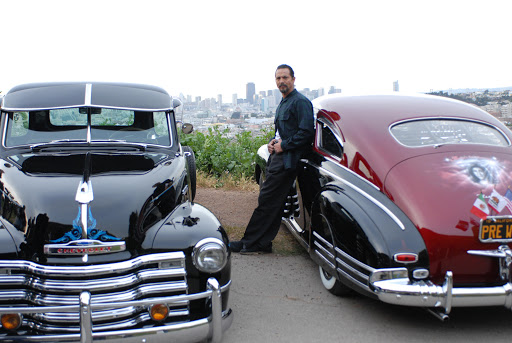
<point x="496" y="229"/>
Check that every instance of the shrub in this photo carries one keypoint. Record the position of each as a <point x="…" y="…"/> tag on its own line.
<point x="219" y="155"/>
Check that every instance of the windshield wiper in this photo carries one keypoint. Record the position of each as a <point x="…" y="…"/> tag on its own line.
<point x="40" y="146"/>
<point x="141" y="146"/>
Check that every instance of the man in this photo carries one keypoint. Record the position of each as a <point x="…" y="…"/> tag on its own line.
<point x="294" y="127"/>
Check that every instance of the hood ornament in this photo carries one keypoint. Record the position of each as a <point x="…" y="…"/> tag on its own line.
<point x="84" y="196"/>
<point x="84" y="238"/>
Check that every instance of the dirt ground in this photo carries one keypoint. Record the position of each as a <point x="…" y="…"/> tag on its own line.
<point x="234" y="209"/>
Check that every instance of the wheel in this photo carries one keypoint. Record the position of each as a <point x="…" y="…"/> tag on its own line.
<point x="332" y="284"/>
<point x="191" y="163"/>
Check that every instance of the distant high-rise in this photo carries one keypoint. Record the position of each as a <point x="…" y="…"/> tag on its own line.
<point x="219" y="100"/>
<point x="334" y="90"/>
<point x="234" y="99"/>
<point x="250" y="91"/>
<point x="395" y="86"/>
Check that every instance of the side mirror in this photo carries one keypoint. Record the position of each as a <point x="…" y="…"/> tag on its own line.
<point x="187" y="128"/>
<point x="176" y="102"/>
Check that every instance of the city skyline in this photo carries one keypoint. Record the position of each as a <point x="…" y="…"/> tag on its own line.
<point x="209" y="48"/>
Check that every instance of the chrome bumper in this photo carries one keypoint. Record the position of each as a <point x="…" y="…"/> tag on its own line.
<point x="210" y="329"/>
<point x="401" y="291"/>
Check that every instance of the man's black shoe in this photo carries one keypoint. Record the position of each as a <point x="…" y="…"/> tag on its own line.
<point x="236" y="246"/>
<point x="255" y="250"/>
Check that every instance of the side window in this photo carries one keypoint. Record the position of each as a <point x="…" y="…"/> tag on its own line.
<point x="160" y="121"/>
<point x="329" y="143"/>
<point x="19" y="124"/>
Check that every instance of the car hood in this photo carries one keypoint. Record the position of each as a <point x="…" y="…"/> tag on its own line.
<point x="437" y="192"/>
<point x="129" y="193"/>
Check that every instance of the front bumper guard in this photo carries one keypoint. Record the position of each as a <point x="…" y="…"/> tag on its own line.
<point x="210" y="329"/>
<point x="401" y="291"/>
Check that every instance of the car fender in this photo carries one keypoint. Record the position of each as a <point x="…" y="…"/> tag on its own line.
<point x="345" y="227"/>
<point x="184" y="227"/>
<point x="340" y="220"/>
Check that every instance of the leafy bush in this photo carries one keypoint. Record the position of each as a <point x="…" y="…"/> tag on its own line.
<point x="218" y="155"/>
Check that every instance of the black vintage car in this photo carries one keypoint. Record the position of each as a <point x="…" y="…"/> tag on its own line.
<point x="100" y="239"/>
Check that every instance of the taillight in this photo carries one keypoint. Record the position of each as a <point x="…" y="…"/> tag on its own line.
<point x="405" y="258"/>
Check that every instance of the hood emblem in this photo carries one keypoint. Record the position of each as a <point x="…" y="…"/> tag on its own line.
<point x="84" y="238"/>
<point x="84" y="247"/>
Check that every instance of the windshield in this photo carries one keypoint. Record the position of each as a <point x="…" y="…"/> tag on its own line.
<point x="70" y="124"/>
<point x="446" y="131"/>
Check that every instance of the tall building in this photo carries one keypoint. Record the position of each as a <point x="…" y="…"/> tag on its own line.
<point x="219" y="100"/>
<point x="234" y="99"/>
<point x="334" y="90"/>
<point x="395" y="86"/>
<point x="277" y="95"/>
<point x="250" y="90"/>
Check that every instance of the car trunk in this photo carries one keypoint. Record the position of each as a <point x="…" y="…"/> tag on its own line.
<point x="437" y="191"/>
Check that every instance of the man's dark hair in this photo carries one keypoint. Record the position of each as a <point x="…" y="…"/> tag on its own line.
<point x="286" y="66"/>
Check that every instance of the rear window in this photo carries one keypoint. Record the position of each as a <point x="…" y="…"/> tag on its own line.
<point x="446" y="131"/>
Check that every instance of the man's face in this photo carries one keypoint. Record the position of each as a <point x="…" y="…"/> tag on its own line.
<point x="284" y="81"/>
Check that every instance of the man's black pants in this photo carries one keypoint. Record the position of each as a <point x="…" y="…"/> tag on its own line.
<point x="266" y="218"/>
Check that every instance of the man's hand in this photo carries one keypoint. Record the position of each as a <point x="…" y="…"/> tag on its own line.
<point x="277" y="146"/>
<point x="274" y="146"/>
<point x="270" y="146"/>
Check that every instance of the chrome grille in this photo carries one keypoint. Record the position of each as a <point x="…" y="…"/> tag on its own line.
<point x="24" y="283"/>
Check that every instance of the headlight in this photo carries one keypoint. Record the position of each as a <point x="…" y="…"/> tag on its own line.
<point x="210" y="255"/>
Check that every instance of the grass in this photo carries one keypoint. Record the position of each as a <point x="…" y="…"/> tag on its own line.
<point x="226" y="182"/>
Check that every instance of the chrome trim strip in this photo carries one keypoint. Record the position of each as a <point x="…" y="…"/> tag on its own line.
<point x="352" y="270"/>
<point x="88" y="94"/>
<point x="353" y="279"/>
<point x="15" y="109"/>
<point x="351" y="172"/>
<point x="325" y="259"/>
<point x="355" y="261"/>
<point x="104" y="284"/>
<point x="320" y="238"/>
<point x="324" y="251"/>
<point x="177" y="257"/>
<point x="368" y="196"/>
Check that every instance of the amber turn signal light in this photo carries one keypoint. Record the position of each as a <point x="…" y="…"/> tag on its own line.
<point x="158" y="312"/>
<point x="11" y="321"/>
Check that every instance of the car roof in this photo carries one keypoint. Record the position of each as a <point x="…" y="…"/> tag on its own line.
<point x="365" y="121"/>
<point x="52" y="95"/>
<point x="385" y="109"/>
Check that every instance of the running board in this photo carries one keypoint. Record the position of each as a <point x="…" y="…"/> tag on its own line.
<point x="296" y="231"/>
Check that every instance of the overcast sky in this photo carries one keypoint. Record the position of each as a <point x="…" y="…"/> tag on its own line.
<point x="205" y="48"/>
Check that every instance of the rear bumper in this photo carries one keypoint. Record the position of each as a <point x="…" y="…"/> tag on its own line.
<point x="210" y="329"/>
<point x="401" y="291"/>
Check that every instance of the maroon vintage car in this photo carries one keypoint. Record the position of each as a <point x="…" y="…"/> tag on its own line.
<point x="406" y="198"/>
